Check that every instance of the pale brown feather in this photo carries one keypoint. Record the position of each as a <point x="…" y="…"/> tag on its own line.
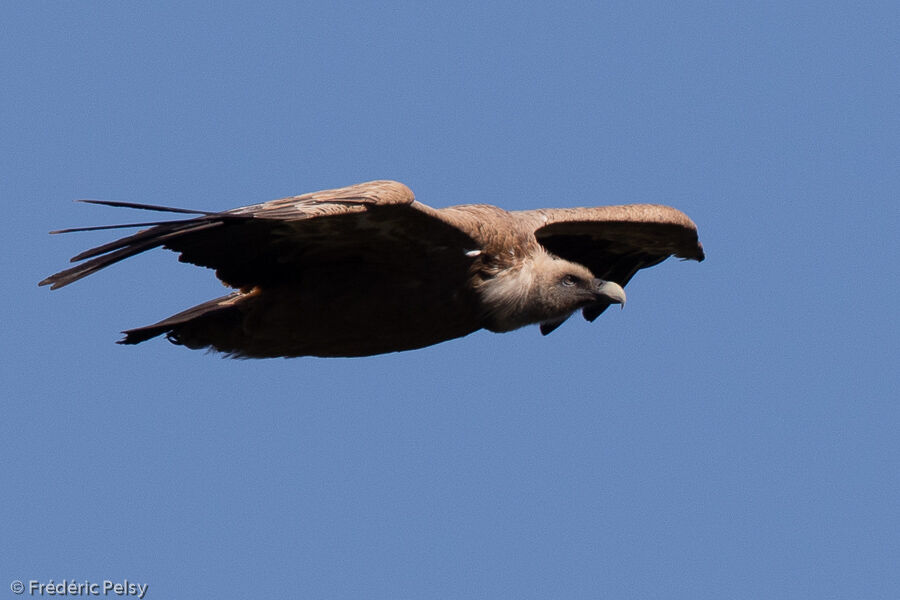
<point x="614" y="242"/>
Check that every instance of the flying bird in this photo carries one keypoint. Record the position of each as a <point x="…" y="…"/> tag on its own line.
<point x="367" y="269"/>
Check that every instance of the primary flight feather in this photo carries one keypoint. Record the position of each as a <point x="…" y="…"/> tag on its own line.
<point x="366" y="269"/>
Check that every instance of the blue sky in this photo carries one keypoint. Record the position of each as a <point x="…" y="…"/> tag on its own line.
<point x="733" y="433"/>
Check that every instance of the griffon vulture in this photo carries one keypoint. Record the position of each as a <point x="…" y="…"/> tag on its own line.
<point x="366" y="269"/>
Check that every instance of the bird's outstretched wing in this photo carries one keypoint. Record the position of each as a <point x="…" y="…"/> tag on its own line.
<point x="615" y="242"/>
<point x="265" y="244"/>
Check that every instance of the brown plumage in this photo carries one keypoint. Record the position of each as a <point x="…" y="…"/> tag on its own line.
<point x="367" y="269"/>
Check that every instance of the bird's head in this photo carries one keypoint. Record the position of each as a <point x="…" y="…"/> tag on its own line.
<point x="561" y="287"/>
<point x="545" y="289"/>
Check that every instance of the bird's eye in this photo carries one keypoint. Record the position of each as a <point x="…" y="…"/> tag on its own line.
<point x="569" y="280"/>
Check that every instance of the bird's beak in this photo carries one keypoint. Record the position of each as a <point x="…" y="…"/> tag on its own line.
<point x="611" y="292"/>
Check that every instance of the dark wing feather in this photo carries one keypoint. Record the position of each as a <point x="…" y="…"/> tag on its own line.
<point x="268" y="243"/>
<point x="615" y="242"/>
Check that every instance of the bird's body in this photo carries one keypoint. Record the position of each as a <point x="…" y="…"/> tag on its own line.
<point x="366" y="269"/>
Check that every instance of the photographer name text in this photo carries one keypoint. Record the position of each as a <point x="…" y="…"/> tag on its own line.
<point x="71" y="587"/>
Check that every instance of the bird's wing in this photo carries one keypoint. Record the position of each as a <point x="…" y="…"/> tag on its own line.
<point x="615" y="242"/>
<point x="269" y="243"/>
